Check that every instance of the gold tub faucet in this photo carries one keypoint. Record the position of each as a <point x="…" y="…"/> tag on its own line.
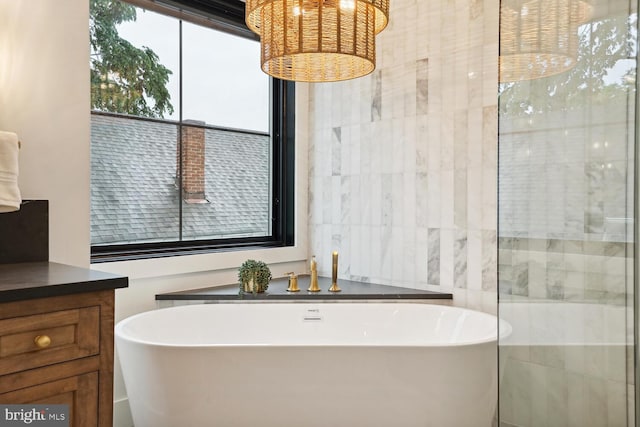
<point x="313" y="287"/>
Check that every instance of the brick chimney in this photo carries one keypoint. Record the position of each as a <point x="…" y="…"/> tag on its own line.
<point x="192" y="162"/>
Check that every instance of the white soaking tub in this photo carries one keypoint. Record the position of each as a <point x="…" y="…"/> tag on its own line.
<point x="308" y="365"/>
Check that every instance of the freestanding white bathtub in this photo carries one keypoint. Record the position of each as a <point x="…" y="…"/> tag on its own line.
<point x="308" y="365"/>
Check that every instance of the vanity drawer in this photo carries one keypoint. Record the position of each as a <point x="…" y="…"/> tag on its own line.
<point x="63" y="335"/>
<point x="79" y="393"/>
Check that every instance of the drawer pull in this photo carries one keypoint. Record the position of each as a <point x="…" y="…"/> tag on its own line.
<point x="42" y="341"/>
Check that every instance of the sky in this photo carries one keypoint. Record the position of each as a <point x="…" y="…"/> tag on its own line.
<point x="223" y="84"/>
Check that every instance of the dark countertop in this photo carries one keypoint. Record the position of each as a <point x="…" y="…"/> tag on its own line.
<point x="30" y="280"/>
<point x="278" y="292"/>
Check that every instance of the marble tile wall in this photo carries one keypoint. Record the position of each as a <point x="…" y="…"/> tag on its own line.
<point x="403" y="161"/>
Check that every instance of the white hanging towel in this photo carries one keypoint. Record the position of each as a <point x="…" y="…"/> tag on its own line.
<point x="9" y="192"/>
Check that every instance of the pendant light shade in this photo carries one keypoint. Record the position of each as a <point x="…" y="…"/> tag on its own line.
<point x="317" y="40"/>
<point x="539" y="38"/>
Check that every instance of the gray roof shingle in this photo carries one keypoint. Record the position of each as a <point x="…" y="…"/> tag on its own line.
<point x="134" y="197"/>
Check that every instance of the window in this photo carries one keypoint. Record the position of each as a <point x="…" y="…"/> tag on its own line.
<point x="191" y="143"/>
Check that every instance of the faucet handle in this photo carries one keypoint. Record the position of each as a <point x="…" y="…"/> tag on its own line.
<point x="293" y="283"/>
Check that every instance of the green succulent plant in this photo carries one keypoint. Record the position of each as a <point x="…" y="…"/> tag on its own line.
<point x="256" y="270"/>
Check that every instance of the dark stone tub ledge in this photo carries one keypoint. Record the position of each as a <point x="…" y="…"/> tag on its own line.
<point x="277" y="292"/>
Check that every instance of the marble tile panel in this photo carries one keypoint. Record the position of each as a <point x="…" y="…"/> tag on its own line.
<point x="421" y="200"/>
<point x="460" y="259"/>
<point x="384" y="140"/>
<point x="355" y="251"/>
<point x="345" y="150"/>
<point x="460" y="138"/>
<point x="388" y="91"/>
<point x="460" y="199"/>
<point x="366" y="253"/>
<point x="447" y="196"/>
<point x="353" y="167"/>
<point x="409" y="250"/>
<point x="376" y="95"/>
<point x="489" y="260"/>
<point x="386" y="252"/>
<point x="387" y="211"/>
<point x="398" y="146"/>
<point x="375" y="243"/>
<point x="363" y="200"/>
<point x="367" y="93"/>
<point x="327" y="207"/>
<point x="489" y="199"/>
<point x="474" y="198"/>
<point x="336" y="110"/>
<point x="434" y="154"/>
<point x="365" y="152"/>
<point x="447" y="259"/>
<point x="336" y="200"/>
<point x="409" y="144"/>
<point x="422" y="86"/>
<point x="376" y="199"/>
<point x="461" y="78"/>
<point x="447" y="142"/>
<point x="346" y="193"/>
<point x="435" y="89"/>
<point x="421" y="254"/>
<point x="433" y="256"/>
<point x="474" y="259"/>
<point x="475" y="138"/>
<point x="434" y="200"/>
<point x="352" y="93"/>
<point x="422" y="144"/>
<point x="405" y="199"/>
<point x="354" y="198"/>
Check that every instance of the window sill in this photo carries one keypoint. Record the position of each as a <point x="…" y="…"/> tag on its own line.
<point x="171" y="266"/>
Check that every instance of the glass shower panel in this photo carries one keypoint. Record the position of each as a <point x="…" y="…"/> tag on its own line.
<point x="566" y="207"/>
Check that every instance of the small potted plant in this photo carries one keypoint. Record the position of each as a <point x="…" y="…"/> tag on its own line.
<point x="254" y="276"/>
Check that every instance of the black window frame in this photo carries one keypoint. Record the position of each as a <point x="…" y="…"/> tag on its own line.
<point x="228" y="16"/>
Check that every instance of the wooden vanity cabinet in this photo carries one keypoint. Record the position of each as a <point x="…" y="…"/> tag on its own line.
<point x="59" y="350"/>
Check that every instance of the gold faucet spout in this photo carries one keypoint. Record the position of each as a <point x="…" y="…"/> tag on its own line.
<point x="313" y="286"/>
<point x="334" y="273"/>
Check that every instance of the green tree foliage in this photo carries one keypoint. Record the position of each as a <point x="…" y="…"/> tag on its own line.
<point x="124" y="78"/>
<point x="602" y="44"/>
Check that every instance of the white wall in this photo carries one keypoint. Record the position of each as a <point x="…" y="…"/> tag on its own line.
<point x="44" y="98"/>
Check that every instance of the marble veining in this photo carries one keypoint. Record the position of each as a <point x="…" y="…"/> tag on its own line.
<point x="433" y="256"/>
<point x="460" y="251"/>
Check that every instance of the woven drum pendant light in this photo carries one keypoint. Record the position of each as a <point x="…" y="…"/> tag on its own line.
<point x="317" y="40"/>
<point x="539" y="38"/>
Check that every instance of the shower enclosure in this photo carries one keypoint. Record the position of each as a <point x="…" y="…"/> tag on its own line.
<point x="566" y="195"/>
